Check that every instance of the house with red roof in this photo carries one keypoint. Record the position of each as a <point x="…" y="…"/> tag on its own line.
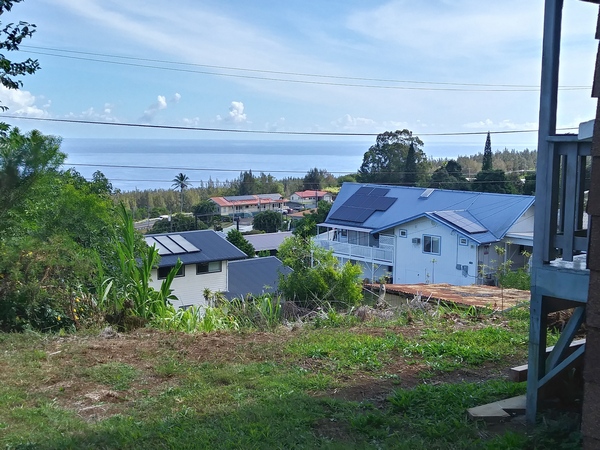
<point x="249" y="205"/>
<point x="310" y="198"/>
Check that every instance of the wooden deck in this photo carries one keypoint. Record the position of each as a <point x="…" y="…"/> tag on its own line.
<point x="475" y="295"/>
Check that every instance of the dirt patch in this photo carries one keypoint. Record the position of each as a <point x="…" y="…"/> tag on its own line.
<point x="67" y="369"/>
<point x="475" y="295"/>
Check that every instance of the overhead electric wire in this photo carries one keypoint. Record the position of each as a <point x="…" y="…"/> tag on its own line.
<point x="233" y="130"/>
<point x="485" y="87"/>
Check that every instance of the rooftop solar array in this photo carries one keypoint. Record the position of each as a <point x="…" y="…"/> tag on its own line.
<point x="362" y="204"/>
<point x="240" y="198"/>
<point x="173" y="244"/>
<point x="461" y="220"/>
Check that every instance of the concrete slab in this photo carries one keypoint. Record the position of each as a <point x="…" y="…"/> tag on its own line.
<point x="499" y="411"/>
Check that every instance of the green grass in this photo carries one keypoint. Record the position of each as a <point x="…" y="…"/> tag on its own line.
<point x="286" y="391"/>
<point x="115" y="375"/>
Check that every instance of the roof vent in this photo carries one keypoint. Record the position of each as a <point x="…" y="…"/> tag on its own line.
<point x="426" y="193"/>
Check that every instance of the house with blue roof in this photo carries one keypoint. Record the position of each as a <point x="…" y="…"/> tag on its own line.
<point x="410" y="235"/>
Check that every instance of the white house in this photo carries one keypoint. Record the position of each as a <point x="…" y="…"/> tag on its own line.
<point x="205" y="256"/>
<point x="418" y="235"/>
<point x="246" y="205"/>
<point x="211" y="262"/>
<point x="310" y="199"/>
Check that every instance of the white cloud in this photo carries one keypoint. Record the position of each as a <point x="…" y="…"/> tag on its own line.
<point x="506" y="124"/>
<point x="236" y="114"/>
<point x="366" y="125"/>
<point x="154" y="108"/>
<point x="91" y="114"/>
<point x="274" y="126"/>
<point x="22" y="103"/>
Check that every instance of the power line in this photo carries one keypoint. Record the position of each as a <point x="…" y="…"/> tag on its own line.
<point x="231" y="130"/>
<point x="301" y="74"/>
<point x="513" y="88"/>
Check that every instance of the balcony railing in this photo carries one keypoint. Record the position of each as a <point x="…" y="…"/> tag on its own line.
<point x="380" y="255"/>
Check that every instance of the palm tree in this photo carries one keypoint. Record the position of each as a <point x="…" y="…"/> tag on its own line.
<point x="181" y="182"/>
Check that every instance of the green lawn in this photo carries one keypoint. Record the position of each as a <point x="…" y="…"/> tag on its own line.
<point x="389" y="385"/>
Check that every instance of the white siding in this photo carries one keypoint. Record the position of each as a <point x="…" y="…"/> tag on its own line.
<point x="413" y="265"/>
<point x="189" y="289"/>
<point x="525" y="222"/>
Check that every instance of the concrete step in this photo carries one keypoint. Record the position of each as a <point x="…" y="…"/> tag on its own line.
<point x="499" y="411"/>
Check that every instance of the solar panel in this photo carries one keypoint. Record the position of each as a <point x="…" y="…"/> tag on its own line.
<point x="170" y="244"/>
<point x="379" y="192"/>
<point x="382" y="203"/>
<point x="184" y="243"/>
<point x="350" y="214"/>
<point x="161" y="249"/>
<point x="462" y="220"/>
<point x="363" y="191"/>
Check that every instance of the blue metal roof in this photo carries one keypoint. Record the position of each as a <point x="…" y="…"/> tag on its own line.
<point x="483" y="217"/>
<point x="255" y="276"/>
<point x="208" y="245"/>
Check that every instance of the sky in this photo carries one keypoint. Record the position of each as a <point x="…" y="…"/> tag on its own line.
<point x="351" y="67"/>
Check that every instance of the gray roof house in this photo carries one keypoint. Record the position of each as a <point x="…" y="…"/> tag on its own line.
<point x="207" y="264"/>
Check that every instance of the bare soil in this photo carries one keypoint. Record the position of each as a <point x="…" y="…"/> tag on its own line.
<point x="68" y="358"/>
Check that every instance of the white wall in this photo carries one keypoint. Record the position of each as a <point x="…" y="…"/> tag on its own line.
<point x="412" y="265"/>
<point x="525" y="223"/>
<point x="189" y="289"/>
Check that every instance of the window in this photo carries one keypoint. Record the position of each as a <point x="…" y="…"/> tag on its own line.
<point x="462" y="241"/>
<point x="211" y="267"/>
<point x="431" y="244"/>
<point x="402" y="233"/>
<point x="163" y="272"/>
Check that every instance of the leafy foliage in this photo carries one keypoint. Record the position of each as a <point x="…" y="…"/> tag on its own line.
<point x="13" y="36"/>
<point x="307" y="226"/>
<point x="317" y="277"/>
<point x="178" y="222"/>
<point x="386" y="161"/>
<point x="238" y="239"/>
<point x="268" y="221"/>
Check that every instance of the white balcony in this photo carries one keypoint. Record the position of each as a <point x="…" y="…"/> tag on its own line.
<point x="379" y="255"/>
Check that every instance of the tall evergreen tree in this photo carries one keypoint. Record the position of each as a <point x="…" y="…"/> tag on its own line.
<point x="487" y="154"/>
<point x="410" y="167"/>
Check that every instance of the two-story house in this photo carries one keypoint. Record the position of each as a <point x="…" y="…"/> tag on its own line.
<point x="310" y="198"/>
<point x="418" y="235"/>
<point x="248" y="205"/>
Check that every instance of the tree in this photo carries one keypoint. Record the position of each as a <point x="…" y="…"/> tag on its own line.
<point x="178" y="222"/>
<point x="13" y="36"/>
<point x="487" y="154"/>
<point x="247" y="183"/>
<point x="316" y="179"/>
<point x="317" y="276"/>
<point x="238" y="239"/>
<point x="492" y="181"/>
<point x="24" y="160"/>
<point x="268" y="221"/>
<point x="385" y="162"/>
<point x="529" y="185"/>
<point x="307" y="226"/>
<point x="181" y="182"/>
<point x="205" y="210"/>
<point x="410" y="177"/>
<point x="449" y="176"/>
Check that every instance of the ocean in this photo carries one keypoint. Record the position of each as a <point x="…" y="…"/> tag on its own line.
<point x="132" y="164"/>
